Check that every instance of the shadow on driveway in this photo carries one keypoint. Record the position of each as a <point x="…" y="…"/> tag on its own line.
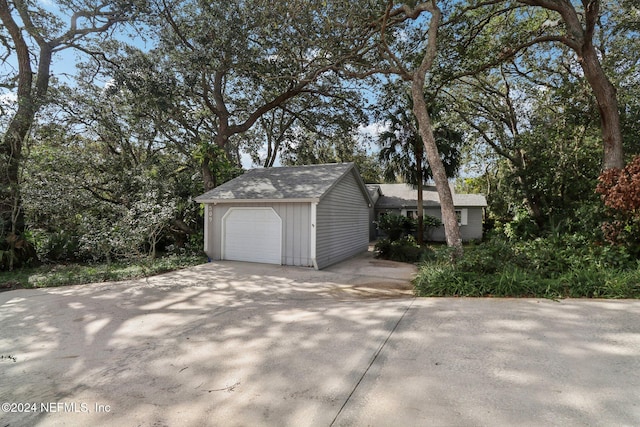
<point x="239" y="344"/>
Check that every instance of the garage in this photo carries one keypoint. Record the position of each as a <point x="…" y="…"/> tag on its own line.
<point x="307" y="216"/>
<point x="252" y="234"/>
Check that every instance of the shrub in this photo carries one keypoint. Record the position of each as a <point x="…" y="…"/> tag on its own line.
<point x="395" y="226"/>
<point x="405" y="249"/>
<point x="60" y="245"/>
<point x="553" y="267"/>
<point x="430" y="223"/>
<point x="620" y="191"/>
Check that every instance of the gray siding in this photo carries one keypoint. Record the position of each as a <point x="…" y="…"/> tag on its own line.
<point x="296" y="234"/>
<point x="471" y="231"/>
<point x="342" y="223"/>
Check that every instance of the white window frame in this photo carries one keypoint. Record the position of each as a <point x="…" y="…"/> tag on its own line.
<point x="463" y="216"/>
<point x="413" y="212"/>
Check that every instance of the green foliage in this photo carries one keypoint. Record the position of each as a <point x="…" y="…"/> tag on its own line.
<point x="401" y="147"/>
<point x="309" y="148"/>
<point x="395" y="226"/>
<point x="405" y="249"/>
<point x="431" y="221"/>
<point x="76" y="274"/>
<point x="76" y="209"/>
<point x="56" y="245"/>
<point x="552" y="267"/>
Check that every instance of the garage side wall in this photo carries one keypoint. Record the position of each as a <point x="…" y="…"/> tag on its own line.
<point x="296" y="226"/>
<point x="343" y="223"/>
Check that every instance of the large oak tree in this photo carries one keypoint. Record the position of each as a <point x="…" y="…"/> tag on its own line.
<point x="30" y="39"/>
<point x="230" y="64"/>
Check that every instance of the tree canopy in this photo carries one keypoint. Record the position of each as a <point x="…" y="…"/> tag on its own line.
<point x="539" y="96"/>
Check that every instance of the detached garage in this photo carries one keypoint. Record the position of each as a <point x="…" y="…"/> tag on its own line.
<point x="311" y="216"/>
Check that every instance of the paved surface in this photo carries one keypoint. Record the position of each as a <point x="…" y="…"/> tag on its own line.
<point x="237" y="344"/>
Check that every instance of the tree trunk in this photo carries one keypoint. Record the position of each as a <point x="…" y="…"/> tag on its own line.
<point x="12" y="226"/>
<point x="208" y="177"/>
<point x="580" y="40"/>
<point x="607" y="101"/>
<point x="420" y="207"/>
<point x="449" y="217"/>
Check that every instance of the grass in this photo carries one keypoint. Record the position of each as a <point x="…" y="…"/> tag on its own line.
<point x="76" y="274"/>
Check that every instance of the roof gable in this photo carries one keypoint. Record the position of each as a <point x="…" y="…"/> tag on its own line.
<point x="293" y="183"/>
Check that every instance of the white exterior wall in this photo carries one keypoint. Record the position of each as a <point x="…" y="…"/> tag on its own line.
<point x="342" y="223"/>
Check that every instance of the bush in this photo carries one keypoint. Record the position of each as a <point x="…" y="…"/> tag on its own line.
<point x="405" y="249"/>
<point x="395" y="226"/>
<point x="553" y="267"/>
<point x="429" y="224"/>
<point x="76" y="274"/>
<point x="55" y="246"/>
<point x="620" y="192"/>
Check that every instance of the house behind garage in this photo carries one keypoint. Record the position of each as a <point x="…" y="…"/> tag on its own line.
<point x="402" y="199"/>
<point x="310" y="216"/>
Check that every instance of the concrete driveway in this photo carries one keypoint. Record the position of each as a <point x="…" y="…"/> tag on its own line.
<point x="237" y="344"/>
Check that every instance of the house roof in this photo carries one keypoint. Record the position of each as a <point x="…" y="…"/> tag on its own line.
<point x="292" y="183"/>
<point x="373" y="189"/>
<point x="403" y="195"/>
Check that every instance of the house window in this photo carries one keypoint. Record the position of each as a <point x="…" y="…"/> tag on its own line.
<point x="462" y="215"/>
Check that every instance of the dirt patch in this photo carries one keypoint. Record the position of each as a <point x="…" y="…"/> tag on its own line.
<point x="374" y="290"/>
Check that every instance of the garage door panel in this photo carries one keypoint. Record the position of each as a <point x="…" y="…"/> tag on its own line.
<point x="252" y="234"/>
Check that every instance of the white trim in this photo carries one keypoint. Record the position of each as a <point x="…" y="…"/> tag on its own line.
<point x="224" y="231"/>
<point x="207" y="209"/>
<point x="313" y="239"/>
<point x="464" y="216"/>
<point x="229" y="201"/>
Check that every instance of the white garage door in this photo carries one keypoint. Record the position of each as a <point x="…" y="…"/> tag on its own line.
<point x="252" y="234"/>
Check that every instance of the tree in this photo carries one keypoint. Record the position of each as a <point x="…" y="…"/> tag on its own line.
<point x="498" y="30"/>
<point x="402" y="63"/>
<point x="330" y="119"/>
<point x="530" y="103"/>
<point x="580" y="34"/>
<point x="32" y="37"/>
<point x="233" y="62"/>
<point x="308" y="148"/>
<point x="104" y="196"/>
<point x="402" y="153"/>
<point x="536" y="140"/>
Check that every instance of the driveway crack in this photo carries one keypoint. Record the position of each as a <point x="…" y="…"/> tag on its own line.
<point x="373" y="360"/>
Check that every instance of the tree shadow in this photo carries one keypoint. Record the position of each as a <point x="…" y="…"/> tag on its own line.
<point x="506" y="362"/>
<point x="223" y="343"/>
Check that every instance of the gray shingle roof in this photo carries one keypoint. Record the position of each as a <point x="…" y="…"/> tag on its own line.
<point x="281" y="183"/>
<point x="403" y="195"/>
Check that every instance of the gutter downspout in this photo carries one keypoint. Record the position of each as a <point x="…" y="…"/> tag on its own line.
<point x="314" y="214"/>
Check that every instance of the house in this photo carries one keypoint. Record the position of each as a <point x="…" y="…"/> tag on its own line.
<point x="402" y="199"/>
<point x="310" y="216"/>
